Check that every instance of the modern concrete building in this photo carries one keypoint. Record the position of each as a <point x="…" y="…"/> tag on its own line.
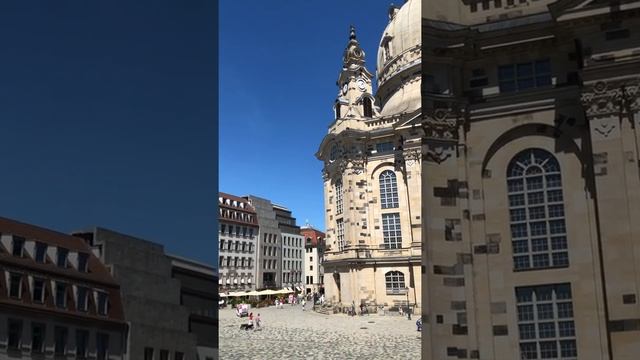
<point x="292" y="249"/>
<point x="57" y="300"/>
<point x="313" y="259"/>
<point x="198" y="293"/>
<point x="238" y="240"/>
<point x="269" y="250"/>
<point x="159" y="323"/>
<point x="372" y="171"/>
<point x="530" y="179"/>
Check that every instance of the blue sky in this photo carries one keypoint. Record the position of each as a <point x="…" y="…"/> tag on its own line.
<point x="279" y="62"/>
<point x="107" y="117"/>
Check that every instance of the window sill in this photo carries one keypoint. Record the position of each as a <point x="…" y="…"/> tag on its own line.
<point x="397" y="292"/>
<point x="541" y="268"/>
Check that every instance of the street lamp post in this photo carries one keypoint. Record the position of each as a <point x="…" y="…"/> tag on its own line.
<point x="408" y="308"/>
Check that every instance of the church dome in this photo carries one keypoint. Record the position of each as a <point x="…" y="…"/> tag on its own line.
<point x="399" y="55"/>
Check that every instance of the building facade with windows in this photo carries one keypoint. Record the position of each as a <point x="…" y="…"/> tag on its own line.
<point x="154" y="305"/>
<point x="238" y="243"/>
<point x="531" y="184"/>
<point x="269" y="249"/>
<point x="313" y="259"/>
<point x="199" y="294"/>
<point x="57" y="300"/>
<point x="372" y="172"/>
<point x="292" y="249"/>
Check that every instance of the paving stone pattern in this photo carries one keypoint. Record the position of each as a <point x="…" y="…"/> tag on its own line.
<point x="291" y="333"/>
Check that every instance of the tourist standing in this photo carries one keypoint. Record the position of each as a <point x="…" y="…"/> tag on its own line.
<point x="257" y="322"/>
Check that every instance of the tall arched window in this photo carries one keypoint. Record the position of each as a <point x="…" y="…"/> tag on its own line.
<point x="394" y="282"/>
<point x="388" y="190"/>
<point x="367" y="107"/>
<point x="536" y="211"/>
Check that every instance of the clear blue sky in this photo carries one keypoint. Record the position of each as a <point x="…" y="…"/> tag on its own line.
<point x="107" y="117"/>
<point x="279" y="62"/>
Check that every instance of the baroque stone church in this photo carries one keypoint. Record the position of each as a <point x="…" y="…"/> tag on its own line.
<point x="372" y="175"/>
<point x="493" y="180"/>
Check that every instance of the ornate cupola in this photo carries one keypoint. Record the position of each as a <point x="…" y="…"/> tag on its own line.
<point x="355" y="98"/>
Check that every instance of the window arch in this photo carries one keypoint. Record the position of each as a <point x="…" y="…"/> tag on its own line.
<point x="536" y="211"/>
<point x="388" y="190"/>
<point x="367" y="107"/>
<point x="394" y="281"/>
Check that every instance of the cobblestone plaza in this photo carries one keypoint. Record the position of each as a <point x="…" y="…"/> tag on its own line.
<point x="292" y="333"/>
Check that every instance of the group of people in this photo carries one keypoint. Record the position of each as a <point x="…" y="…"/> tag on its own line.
<point x="253" y="323"/>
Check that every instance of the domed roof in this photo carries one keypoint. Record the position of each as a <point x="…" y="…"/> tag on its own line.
<point x="399" y="53"/>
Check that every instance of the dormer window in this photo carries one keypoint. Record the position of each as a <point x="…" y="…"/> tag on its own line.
<point x="103" y="303"/>
<point x="62" y="257"/>
<point x="61" y="295"/>
<point x="15" y="285"/>
<point x="38" y="291"/>
<point x="41" y="252"/>
<point x="83" y="261"/>
<point x="18" y="246"/>
<point x="82" y="298"/>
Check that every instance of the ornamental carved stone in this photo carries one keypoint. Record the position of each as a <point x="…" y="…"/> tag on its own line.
<point x="607" y="98"/>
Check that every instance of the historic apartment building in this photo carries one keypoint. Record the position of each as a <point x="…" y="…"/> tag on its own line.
<point x="57" y="300"/>
<point x="292" y="249"/>
<point x="313" y="259"/>
<point x="238" y="241"/>
<point x="372" y="171"/>
<point x="530" y="179"/>
<point x="152" y="296"/>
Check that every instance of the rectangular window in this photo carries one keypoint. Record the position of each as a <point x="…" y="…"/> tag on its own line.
<point x="103" y="303"/>
<point x="18" y="246"/>
<point x="61" y="295"/>
<point x="62" y="257"/>
<point x="15" y="286"/>
<point x="60" y="336"/>
<point x="102" y="346"/>
<point x="523" y="76"/>
<point x="41" y="252"/>
<point x="384" y="147"/>
<point x="545" y="322"/>
<point x="15" y="334"/>
<point x="340" y="234"/>
<point x="81" y="301"/>
<point x="83" y="262"/>
<point x="164" y="354"/>
<point x="38" y="334"/>
<point x="391" y="231"/>
<point x="148" y="353"/>
<point x="82" y="343"/>
<point x="339" y="205"/>
<point x="178" y="356"/>
<point x="617" y="34"/>
<point x="38" y="291"/>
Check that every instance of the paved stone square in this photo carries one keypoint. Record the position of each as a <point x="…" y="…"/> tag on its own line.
<point x="291" y="333"/>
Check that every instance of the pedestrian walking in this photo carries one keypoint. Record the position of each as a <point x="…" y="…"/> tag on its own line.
<point x="257" y="323"/>
<point x="303" y="303"/>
